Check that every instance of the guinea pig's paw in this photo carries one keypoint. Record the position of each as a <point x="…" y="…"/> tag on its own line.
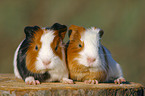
<point x="119" y="80"/>
<point x="67" y="81"/>
<point x="91" y="82"/>
<point x="31" y="81"/>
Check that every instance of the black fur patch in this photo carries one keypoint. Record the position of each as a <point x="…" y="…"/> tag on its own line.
<point x="21" y="61"/>
<point x="29" y="31"/>
<point x="59" y="27"/>
<point x="101" y="32"/>
<point x="69" y="33"/>
<point x="66" y="46"/>
<point x="47" y="28"/>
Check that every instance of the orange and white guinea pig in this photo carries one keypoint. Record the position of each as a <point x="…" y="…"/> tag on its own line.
<point x="39" y="57"/>
<point x="88" y="60"/>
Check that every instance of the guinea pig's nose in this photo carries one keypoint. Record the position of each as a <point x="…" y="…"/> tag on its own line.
<point x="46" y="62"/>
<point x="91" y="60"/>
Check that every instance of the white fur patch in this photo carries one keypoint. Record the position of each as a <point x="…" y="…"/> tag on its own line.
<point x="16" y="72"/>
<point x="45" y="53"/>
<point x="91" y="41"/>
<point x="59" y="71"/>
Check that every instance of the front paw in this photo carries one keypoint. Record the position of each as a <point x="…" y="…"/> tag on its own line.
<point x="91" y="82"/>
<point x="67" y="81"/>
<point x="119" y="80"/>
<point x="31" y="81"/>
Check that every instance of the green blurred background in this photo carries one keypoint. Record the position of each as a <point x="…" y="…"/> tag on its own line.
<point x="123" y="22"/>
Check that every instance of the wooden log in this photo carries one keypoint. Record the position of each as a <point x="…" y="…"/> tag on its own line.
<point x="10" y="86"/>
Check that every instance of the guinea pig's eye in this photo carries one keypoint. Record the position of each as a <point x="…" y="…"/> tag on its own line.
<point x="36" y="47"/>
<point x="56" y="47"/>
<point x="80" y="45"/>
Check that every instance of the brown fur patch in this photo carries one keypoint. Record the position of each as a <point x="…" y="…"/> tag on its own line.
<point x="81" y="73"/>
<point x="57" y="42"/>
<point x="76" y="32"/>
<point x="74" y="48"/>
<point x="32" y="53"/>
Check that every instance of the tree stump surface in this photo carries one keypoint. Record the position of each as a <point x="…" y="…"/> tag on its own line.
<point x="11" y="86"/>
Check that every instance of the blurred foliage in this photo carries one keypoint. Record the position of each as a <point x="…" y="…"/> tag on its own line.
<point x="122" y="20"/>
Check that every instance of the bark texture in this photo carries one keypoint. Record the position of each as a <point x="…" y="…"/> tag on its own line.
<point x="10" y="86"/>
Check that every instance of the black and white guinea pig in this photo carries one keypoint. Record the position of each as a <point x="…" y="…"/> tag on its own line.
<point x="88" y="60"/>
<point x="40" y="56"/>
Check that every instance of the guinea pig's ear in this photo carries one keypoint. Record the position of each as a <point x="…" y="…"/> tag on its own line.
<point x="29" y="30"/>
<point x="61" y="29"/>
<point x="58" y="26"/>
<point x="101" y="32"/>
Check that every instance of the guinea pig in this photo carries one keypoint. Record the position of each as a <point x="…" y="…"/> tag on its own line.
<point x="40" y="56"/>
<point x="88" y="60"/>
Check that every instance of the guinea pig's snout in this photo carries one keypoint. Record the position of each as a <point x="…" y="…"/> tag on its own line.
<point x="46" y="62"/>
<point x="91" y="60"/>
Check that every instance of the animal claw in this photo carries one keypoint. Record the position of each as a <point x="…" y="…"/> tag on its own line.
<point x="67" y="81"/>
<point x="119" y="80"/>
<point x="31" y="81"/>
<point x="91" y="82"/>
